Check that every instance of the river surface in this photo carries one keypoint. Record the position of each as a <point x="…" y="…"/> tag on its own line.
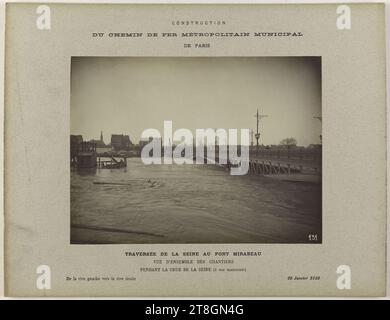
<point x="190" y="204"/>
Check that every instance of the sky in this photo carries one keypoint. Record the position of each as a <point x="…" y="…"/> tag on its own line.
<point x="128" y="95"/>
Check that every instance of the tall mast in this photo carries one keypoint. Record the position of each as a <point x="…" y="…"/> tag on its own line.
<point x="257" y="135"/>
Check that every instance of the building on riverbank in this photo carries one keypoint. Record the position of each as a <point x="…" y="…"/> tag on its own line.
<point x="120" y="142"/>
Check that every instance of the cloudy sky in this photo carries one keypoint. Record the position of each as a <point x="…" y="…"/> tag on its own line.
<point x="128" y="95"/>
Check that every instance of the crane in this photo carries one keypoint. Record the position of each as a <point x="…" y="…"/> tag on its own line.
<point x="320" y="119"/>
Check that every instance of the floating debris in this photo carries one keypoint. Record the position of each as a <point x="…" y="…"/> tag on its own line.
<point x="113" y="183"/>
<point x="110" y="229"/>
<point x="135" y="183"/>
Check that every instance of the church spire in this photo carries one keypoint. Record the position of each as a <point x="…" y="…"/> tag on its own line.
<point x="101" y="136"/>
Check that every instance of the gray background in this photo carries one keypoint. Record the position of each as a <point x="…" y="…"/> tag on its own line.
<point x="37" y="123"/>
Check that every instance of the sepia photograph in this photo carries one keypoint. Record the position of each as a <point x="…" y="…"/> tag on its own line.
<point x="155" y="141"/>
